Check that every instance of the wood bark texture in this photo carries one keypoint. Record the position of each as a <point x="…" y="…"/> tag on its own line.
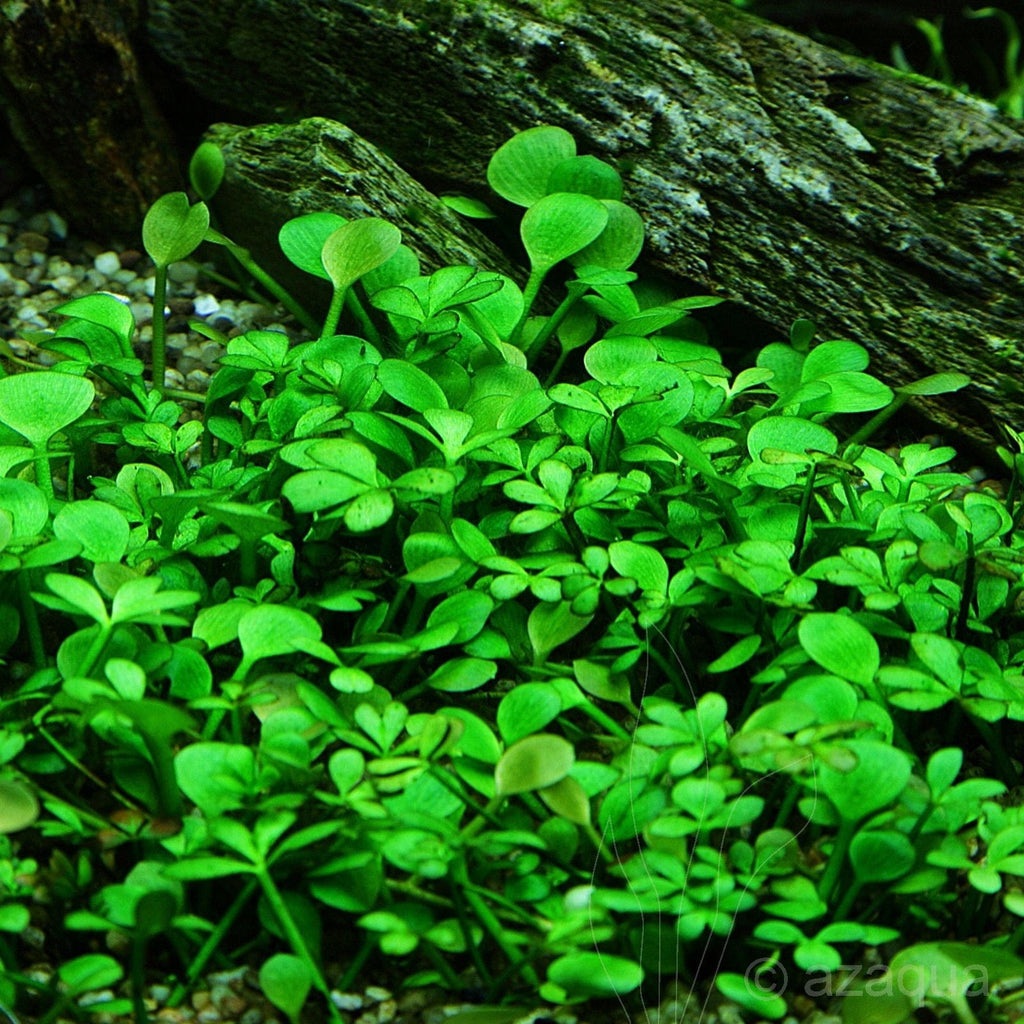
<point x="77" y="103"/>
<point x="789" y="177"/>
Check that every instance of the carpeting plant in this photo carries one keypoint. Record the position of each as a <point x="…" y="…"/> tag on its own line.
<point x="535" y="650"/>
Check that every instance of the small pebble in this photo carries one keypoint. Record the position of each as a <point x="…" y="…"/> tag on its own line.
<point x="205" y="305"/>
<point x="33" y="240"/>
<point x="108" y="263"/>
<point x="130" y="258"/>
<point x="347" y="1000"/>
<point x="377" y="993"/>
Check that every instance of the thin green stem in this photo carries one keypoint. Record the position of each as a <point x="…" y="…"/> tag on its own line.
<point x="876" y="421"/>
<point x="30" y="616"/>
<point x="492" y="925"/>
<point x="295" y="937"/>
<point x="574" y="290"/>
<point x="213" y="941"/>
<point x="159" y="349"/>
<point x="536" y="279"/>
<point x="846" y="832"/>
<point x="96" y="648"/>
<point x="356" y="963"/>
<point x="293" y="307"/>
<point x="330" y="327"/>
<point x="805" y="508"/>
<point x="358" y="311"/>
<point x="41" y="460"/>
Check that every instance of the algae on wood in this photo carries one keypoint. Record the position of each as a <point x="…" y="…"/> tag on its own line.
<point x="794" y="179"/>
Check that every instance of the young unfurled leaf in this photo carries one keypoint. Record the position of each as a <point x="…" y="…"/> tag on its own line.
<point x="172" y="229"/>
<point x="520" y="169"/>
<point x="302" y="240"/>
<point x="559" y="225"/>
<point x="357" y="247"/>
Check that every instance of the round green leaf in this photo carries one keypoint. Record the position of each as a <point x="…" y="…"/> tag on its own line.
<point x="38" y="405"/>
<point x="172" y="229"/>
<point x="269" y="630"/>
<point x="840" y="645"/>
<point x="559" y="225"/>
<point x="302" y="240"/>
<point x="881" y="856"/>
<point x="358" y="247"/>
<point x="527" y="708"/>
<point x="790" y="434"/>
<point x="286" y="981"/>
<point x="371" y="509"/>
<point x="532" y="763"/>
<point x="18" y="806"/>
<point x="520" y="169"/>
<point x="101" y="529"/>
<point x="25" y="506"/>
<point x="619" y="244"/>
<point x="595" y="975"/>
<point x="567" y="799"/>
<point x="587" y="175"/>
<point x="875" y="780"/>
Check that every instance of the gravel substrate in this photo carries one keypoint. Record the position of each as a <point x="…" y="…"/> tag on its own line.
<point x="42" y="265"/>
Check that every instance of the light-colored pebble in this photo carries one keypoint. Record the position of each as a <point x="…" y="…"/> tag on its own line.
<point x="206" y="305"/>
<point x="347" y="1000"/>
<point x="376" y="993"/>
<point x="107" y="263"/>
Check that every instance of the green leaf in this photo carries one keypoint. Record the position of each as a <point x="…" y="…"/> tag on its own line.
<point x="459" y="675"/>
<point x="532" y="763"/>
<point x="89" y="973"/>
<point x="100" y="528"/>
<point x="739" y="654"/>
<point x="520" y="169"/>
<point x="468" y="207"/>
<point x="39" y="405"/>
<point x="644" y="564"/>
<point x="172" y="229"/>
<point x="302" y="240"/>
<point x="875" y="780"/>
<point x="408" y="384"/>
<point x="568" y="799"/>
<point x="286" y="981"/>
<point x="595" y="975"/>
<point x="104" y="310"/>
<point x="269" y="630"/>
<point x="358" y="247"/>
<point x="81" y="598"/>
<point x="369" y="511"/>
<point x="587" y="175"/>
<point x="217" y="777"/>
<point x="936" y="384"/>
<point x="881" y="856"/>
<point x="206" y="169"/>
<point x="25" y="506"/>
<point x="551" y="625"/>
<point x="526" y="709"/>
<point x="19" y="807"/>
<point x="559" y="225"/>
<point x="790" y="434"/>
<point x="619" y="244"/>
<point x="841" y="645"/>
<point x="752" y="994"/>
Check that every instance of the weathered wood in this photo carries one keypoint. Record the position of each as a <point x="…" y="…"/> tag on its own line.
<point x="77" y="104"/>
<point x="275" y="172"/>
<point x="789" y="177"/>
